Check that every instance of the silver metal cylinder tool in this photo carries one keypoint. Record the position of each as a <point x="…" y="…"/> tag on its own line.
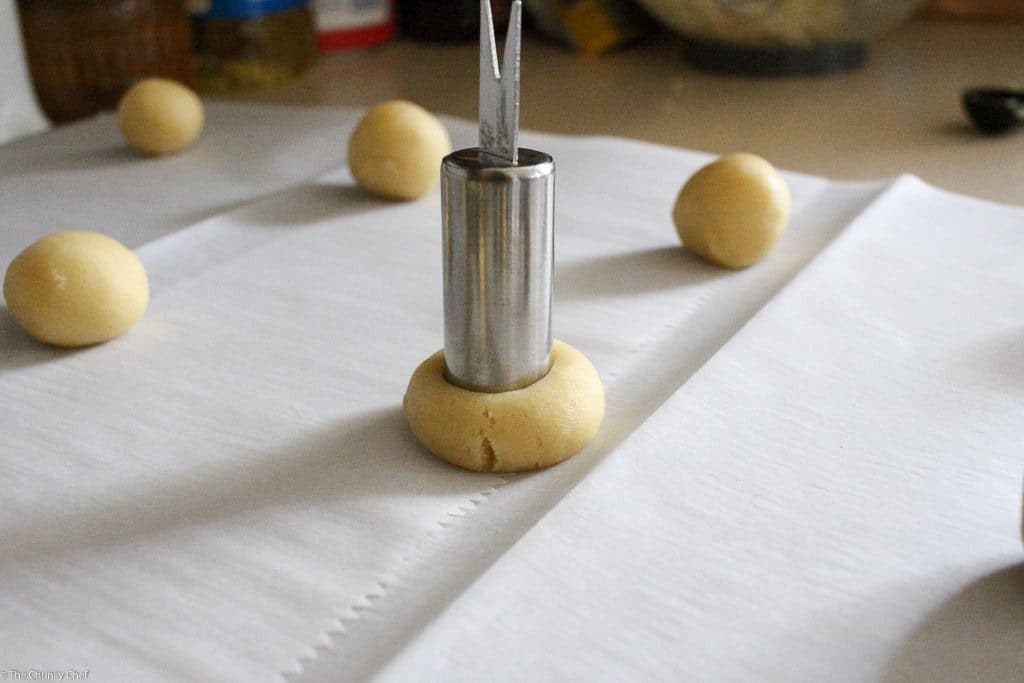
<point x="497" y="222"/>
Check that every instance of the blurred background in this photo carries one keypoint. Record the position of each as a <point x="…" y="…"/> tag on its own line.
<point x="847" y="88"/>
<point x="83" y="54"/>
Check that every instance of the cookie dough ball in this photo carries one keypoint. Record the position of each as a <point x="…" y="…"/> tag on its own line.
<point x="511" y="431"/>
<point x="160" y="116"/>
<point x="76" y="288"/>
<point x="732" y="212"/>
<point x="395" y="152"/>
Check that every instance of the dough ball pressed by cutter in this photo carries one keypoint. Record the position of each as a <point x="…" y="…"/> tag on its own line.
<point x="510" y="431"/>
<point x="396" y="149"/>
<point x="76" y="288"/>
<point x="733" y="211"/>
<point x="160" y="116"/>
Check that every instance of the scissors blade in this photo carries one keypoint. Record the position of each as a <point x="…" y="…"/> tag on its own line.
<point x="499" y="88"/>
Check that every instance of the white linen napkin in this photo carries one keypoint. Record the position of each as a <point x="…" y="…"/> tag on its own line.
<point x="835" y="495"/>
<point x="85" y="177"/>
<point x="231" y="483"/>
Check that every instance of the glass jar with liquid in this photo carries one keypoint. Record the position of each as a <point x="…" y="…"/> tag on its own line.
<point x="250" y="44"/>
<point x="84" y="54"/>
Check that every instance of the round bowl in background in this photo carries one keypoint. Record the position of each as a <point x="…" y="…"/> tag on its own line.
<point x="777" y="37"/>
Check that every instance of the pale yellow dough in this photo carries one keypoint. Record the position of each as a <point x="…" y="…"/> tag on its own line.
<point x="733" y="211"/>
<point x="511" y="431"/>
<point x="160" y="116"/>
<point x="396" y="149"/>
<point x="76" y="288"/>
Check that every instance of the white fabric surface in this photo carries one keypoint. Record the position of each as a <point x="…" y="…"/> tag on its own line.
<point x="19" y="113"/>
<point x="834" y="496"/>
<point x="84" y="176"/>
<point x="231" y="483"/>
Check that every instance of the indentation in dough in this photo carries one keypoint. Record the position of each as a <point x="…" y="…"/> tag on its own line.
<point x="490" y="418"/>
<point x="489" y="459"/>
<point x="511" y="431"/>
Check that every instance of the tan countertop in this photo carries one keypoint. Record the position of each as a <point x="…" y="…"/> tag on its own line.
<point x="900" y="113"/>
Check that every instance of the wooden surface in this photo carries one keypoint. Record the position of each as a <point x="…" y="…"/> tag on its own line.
<point x="898" y="114"/>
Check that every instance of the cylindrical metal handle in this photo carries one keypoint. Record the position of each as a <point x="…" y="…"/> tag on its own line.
<point x="498" y="261"/>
